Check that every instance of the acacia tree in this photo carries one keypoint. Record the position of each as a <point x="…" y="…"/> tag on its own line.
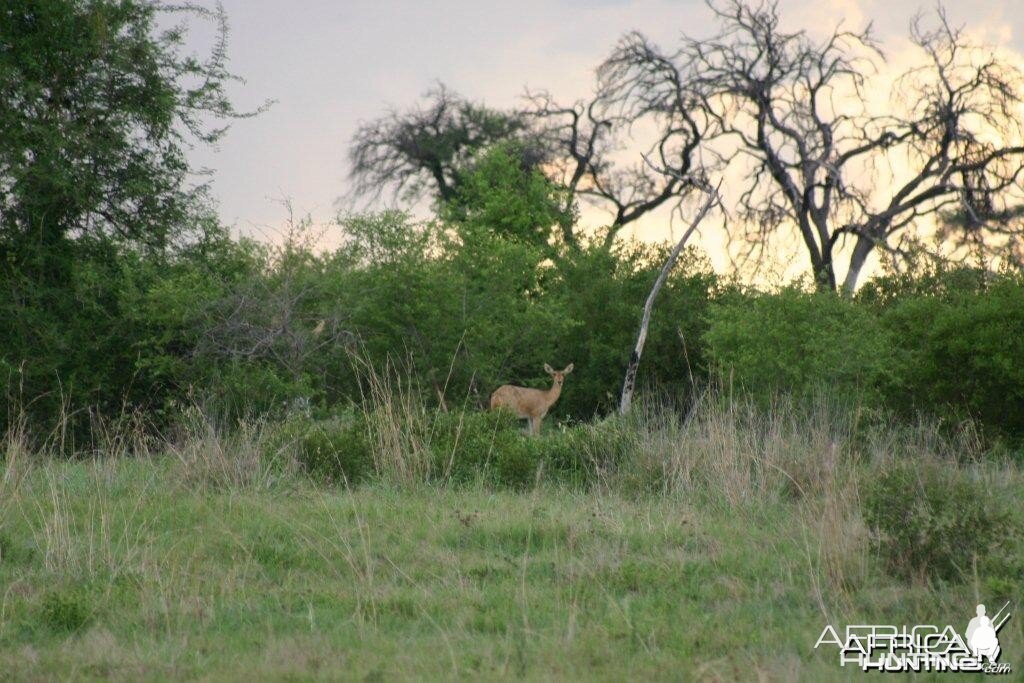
<point x="434" y="148"/>
<point x="426" y="149"/>
<point x="795" y="116"/>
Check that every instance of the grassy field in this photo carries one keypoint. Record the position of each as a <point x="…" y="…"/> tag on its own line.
<point x="201" y="564"/>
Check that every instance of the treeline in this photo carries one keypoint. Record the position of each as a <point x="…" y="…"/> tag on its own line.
<point x="243" y="329"/>
<point x="121" y="295"/>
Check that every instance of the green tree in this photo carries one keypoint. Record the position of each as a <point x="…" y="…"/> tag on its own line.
<point x="97" y="111"/>
<point x="799" y="342"/>
<point x="98" y="108"/>
<point x="501" y="195"/>
<point x="958" y="336"/>
<point x="467" y="314"/>
<point x="602" y="292"/>
<point x="432" y="148"/>
<point x="426" y="147"/>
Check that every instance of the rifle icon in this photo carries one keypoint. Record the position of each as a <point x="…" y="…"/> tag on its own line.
<point x="997" y="626"/>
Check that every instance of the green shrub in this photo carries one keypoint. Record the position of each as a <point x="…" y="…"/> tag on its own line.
<point x="960" y="353"/>
<point x="494" y="446"/>
<point x="491" y="444"/>
<point x="332" y="450"/>
<point x="12" y="552"/>
<point x="603" y="293"/>
<point x="582" y="453"/>
<point x="932" y="521"/>
<point x="464" y="446"/>
<point x="65" y="611"/>
<point x="6" y="548"/>
<point x="238" y="390"/>
<point x="799" y="342"/>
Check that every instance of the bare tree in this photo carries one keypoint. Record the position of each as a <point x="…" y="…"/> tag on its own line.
<point x="429" y="148"/>
<point x="797" y="117"/>
<point x="582" y="139"/>
<point x="425" y="148"/>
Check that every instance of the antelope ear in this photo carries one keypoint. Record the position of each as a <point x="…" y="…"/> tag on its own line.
<point x="568" y="369"/>
<point x="548" y="369"/>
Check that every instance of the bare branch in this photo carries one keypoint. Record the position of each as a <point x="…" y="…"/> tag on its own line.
<point x="793" y="115"/>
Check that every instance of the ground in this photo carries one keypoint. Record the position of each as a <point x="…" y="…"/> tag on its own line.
<point x="123" y="569"/>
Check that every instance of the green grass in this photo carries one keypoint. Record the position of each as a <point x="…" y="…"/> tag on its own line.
<point x="124" y="569"/>
<point x="712" y="548"/>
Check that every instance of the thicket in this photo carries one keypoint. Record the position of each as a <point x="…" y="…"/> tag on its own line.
<point x="246" y="329"/>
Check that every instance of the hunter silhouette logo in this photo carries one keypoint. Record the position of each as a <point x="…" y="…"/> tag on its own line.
<point x="924" y="647"/>
<point x="981" y="635"/>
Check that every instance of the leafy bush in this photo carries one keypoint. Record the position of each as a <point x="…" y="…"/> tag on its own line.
<point x="464" y="446"/>
<point x="602" y="293"/>
<point x="583" y="453"/>
<point x="500" y="194"/>
<point x="799" y="342"/>
<point x="247" y="330"/>
<point x="466" y="316"/>
<point x="960" y="347"/>
<point x="931" y="521"/>
<point x="493" y="444"/>
<point x="333" y="450"/>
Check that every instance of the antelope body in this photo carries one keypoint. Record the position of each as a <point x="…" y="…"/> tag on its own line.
<point x="531" y="404"/>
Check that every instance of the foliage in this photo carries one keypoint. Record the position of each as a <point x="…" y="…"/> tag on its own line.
<point x="248" y="329"/>
<point x="98" y="110"/>
<point x="501" y="195"/>
<point x="65" y="611"/>
<point x="959" y="340"/>
<point x="800" y="342"/>
<point x="427" y="146"/>
<point x="604" y="291"/>
<point x="461" y="313"/>
<point x="932" y="521"/>
<point x="492" y="447"/>
<point x="440" y="147"/>
<point x="336" y="450"/>
<point x="488" y="445"/>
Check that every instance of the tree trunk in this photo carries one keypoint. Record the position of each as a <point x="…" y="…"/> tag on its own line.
<point x="626" y="401"/>
<point x="861" y="250"/>
<point x="824" y="274"/>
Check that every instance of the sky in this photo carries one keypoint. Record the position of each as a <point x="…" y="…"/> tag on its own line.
<point x="330" y="64"/>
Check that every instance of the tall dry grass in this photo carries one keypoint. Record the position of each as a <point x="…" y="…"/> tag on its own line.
<point x="720" y="450"/>
<point x="398" y="421"/>
<point x="743" y="451"/>
<point x="208" y="455"/>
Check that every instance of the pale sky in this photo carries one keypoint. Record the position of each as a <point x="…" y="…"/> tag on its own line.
<point x="330" y="64"/>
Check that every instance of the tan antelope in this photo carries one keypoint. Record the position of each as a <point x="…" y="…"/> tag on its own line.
<point x="531" y="404"/>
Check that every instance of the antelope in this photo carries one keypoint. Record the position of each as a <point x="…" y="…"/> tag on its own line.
<point x="531" y="404"/>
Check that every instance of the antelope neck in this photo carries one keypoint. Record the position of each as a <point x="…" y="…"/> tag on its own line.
<point x="555" y="391"/>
